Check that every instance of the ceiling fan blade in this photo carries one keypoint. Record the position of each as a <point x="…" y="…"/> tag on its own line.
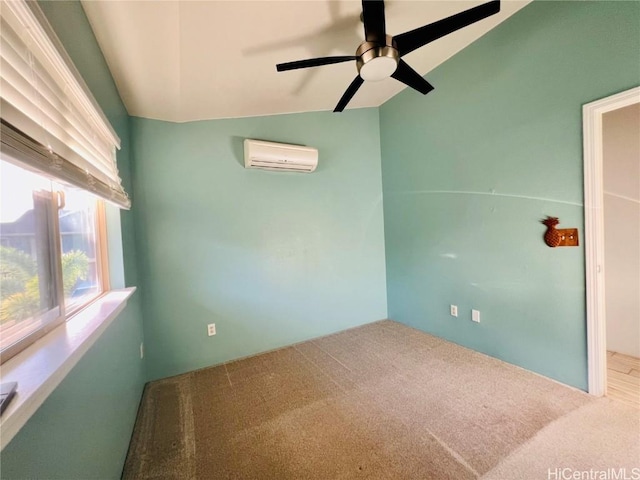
<point x="313" y="62"/>
<point x="409" y="41"/>
<point x="349" y="93"/>
<point x="407" y="75"/>
<point x="373" y="19"/>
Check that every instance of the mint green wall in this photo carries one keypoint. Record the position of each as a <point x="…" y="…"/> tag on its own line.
<point x="82" y="430"/>
<point x="271" y="258"/>
<point x="469" y="171"/>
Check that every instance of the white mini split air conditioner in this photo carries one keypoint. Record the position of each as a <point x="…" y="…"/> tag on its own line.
<point x="279" y="156"/>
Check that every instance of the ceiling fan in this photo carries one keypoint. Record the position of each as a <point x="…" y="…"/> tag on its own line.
<point x="380" y="55"/>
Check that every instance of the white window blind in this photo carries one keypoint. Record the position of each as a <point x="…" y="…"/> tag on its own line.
<point x="47" y="108"/>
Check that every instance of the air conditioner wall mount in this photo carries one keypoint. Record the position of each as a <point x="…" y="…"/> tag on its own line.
<point x="279" y="156"/>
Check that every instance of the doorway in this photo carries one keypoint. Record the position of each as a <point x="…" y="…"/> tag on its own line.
<point x="594" y="116"/>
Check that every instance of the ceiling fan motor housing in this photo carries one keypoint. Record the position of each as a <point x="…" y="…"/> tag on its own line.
<point x="376" y="62"/>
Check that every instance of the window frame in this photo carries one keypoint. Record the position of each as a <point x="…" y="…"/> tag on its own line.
<point x="102" y="260"/>
<point x="102" y="269"/>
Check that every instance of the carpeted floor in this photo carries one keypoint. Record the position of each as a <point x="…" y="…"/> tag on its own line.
<point x="382" y="401"/>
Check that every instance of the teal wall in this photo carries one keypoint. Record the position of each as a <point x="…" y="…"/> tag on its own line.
<point x="271" y="258"/>
<point x="82" y="430"/>
<point x="471" y="169"/>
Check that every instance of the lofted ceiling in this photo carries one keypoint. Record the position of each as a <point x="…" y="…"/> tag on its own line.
<point x="192" y="60"/>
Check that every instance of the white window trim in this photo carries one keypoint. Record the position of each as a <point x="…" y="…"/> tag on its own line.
<point x="41" y="367"/>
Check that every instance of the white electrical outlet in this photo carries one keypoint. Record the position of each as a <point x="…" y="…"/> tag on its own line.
<point x="142" y="350"/>
<point x="211" y="329"/>
<point x="475" y="315"/>
<point x="453" y="309"/>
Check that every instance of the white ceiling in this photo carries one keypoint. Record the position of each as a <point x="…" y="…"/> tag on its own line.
<point x="192" y="60"/>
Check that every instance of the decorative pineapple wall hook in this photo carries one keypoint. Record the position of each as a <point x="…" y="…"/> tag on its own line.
<point x="551" y="236"/>
<point x="565" y="237"/>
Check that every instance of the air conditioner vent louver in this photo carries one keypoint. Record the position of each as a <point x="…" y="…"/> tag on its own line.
<point x="279" y="156"/>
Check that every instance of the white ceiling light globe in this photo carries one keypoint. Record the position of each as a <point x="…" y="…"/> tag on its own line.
<point x="378" y="68"/>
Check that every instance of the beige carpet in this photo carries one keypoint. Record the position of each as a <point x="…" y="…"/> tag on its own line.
<point x="382" y="401"/>
<point x="599" y="437"/>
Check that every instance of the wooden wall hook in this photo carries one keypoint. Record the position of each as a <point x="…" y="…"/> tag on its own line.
<point x="563" y="237"/>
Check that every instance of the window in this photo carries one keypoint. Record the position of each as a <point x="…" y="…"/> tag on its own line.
<point x="52" y="240"/>
<point x="50" y="255"/>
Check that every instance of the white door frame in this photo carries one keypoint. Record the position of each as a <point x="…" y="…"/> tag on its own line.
<point x="594" y="233"/>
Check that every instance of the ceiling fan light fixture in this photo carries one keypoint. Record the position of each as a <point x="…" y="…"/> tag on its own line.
<point x="376" y="62"/>
<point x="378" y="68"/>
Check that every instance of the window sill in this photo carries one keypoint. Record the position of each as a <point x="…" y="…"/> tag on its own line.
<point x="41" y="367"/>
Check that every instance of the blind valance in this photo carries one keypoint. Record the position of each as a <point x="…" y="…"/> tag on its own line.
<point x="44" y="97"/>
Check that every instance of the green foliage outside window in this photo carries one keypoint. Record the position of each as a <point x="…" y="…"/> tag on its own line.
<point x="19" y="285"/>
